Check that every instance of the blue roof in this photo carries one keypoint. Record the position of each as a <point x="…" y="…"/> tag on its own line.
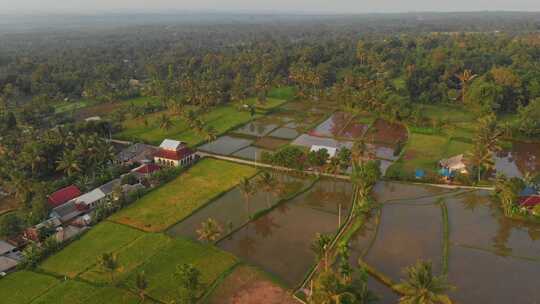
<point x="419" y="173"/>
<point x="528" y="191"/>
<point x="446" y="172"/>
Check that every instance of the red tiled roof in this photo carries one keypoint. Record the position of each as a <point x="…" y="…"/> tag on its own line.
<point x="64" y="195"/>
<point x="529" y="201"/>
<point x="174" y="155"/>
<point x="147" y="169"/>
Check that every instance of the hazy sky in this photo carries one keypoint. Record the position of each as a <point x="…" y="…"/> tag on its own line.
<point x="331" y="6"/>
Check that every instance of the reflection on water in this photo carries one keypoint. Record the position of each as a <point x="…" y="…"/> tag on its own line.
<point x="256" y="128"/>
<point x="340" y="124"/>
<point x="230" y="210"/>
<point x="521" y="159"/>
<point x="280" y="241"/>
<point x="491" y="259"/>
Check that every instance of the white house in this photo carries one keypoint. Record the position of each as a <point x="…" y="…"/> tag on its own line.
<point x="332" y="152"/>
<point x="455" y="164"/>
<point x="174" y="153"/>
<point x="91" y="199"/>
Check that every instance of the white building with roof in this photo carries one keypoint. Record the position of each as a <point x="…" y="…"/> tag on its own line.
<point x="332" y="151"/>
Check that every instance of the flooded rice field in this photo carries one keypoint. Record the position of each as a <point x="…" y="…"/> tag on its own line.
<point x="256" y="128"/>
<point x="226" y="145"/>
<point x="521" y="159"/>
<point x="270" y="143"/>
<point x="279" y="242"/>
<point x="285" y="133"/>
<point x="340" y="125"/>
<point x="251" y="153"/>
<point x="308" y="141"/>
<point x="231" y="210"/>
<point x="490" y="259"/>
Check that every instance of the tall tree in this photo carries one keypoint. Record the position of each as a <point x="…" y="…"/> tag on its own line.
<point x="421" y="286"/>
<point x="210" y="230"/>
<point x="247" y="187"/>
<point x="109" y="263"/>
<point x="465" y="78"/>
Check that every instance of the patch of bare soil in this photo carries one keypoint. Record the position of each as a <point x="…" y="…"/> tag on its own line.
<point x="247" y="285"/>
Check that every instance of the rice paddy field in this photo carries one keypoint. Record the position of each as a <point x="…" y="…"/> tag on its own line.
<point x="176" y="200"/>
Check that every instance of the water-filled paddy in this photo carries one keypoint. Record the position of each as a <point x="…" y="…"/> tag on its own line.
<point x="257" y="128"/>
<point x="340" y="124"/>
<point x="490" y="259"/>
<point x="231" y="211"/>
<point x="279" y="242"/>
<point x="285" y="133"/>
<point x="521" y="159"/>
<point x="226" y="145"/>
<point x="251" y="153"/>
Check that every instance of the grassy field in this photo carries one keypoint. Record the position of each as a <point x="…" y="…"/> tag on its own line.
<point x="176" y="200"/>
<point x="67" y="106"/>
<point x="83" y="254"/>
<point x="160" y="269"/>
<point x="75" y="292"/>
<point x="24" y="286"/>
<point x="286" y="93"/>
<point x="130" y="257"/>
<point x="221" y="118"/>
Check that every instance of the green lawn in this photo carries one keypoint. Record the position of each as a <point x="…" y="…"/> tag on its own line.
<point x="130" y="257"/>
<point x="269" y="104"/>
<point x="83" y="254"/>
<point x="286" y="93"/>
<point x="75" y="292"/>
<point x="422" y="152"/>
<point x="179" y="198"/>
<point x="221" y="118"/>
<point x="160" y="269"/>
<point x="450" y="113"/>
<point x="24" y="286"/>
<point x="67" y="106"/>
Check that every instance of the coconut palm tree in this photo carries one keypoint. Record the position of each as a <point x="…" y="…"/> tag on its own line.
<point x="69" y="163"/>
<point x="248" y="190"/>
<point x="465" y="78"/>
<point x="109" y="263"/>
<point x="267" y="183"/>
<point x="210" y="230"/>
<point x="141" y="283"/>
<point x="320" y="247"/>
<point x="422" y="287"/>
<point x="165" y="122"/>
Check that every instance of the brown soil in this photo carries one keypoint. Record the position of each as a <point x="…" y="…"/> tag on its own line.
<point x="386" y="132"/>
<point x="98" y="110"/>
<point x="247" y="285"/>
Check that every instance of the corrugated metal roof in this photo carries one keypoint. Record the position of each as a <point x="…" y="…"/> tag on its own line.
<point x="90" y="197"/>
<point x="171" y="145"/>
<point x="5" y="247"/>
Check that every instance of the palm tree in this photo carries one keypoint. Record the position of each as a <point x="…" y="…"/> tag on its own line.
<point x="210" y="230"/>
<point x="465" y="78"/>
<point x="165" y="122"/>
<point x="359" y="151"/>
<point x="480" y="158"/>
<point x="320" y="247"/>
<point x="189" y="279"/>
<point x="248" y="190"/>
<point x="141" y="283"/>
<point x="267" y="183"/>
<point x="109" y="263"/>
<point x="69" y="163"/>
<point x="422" y="287"/>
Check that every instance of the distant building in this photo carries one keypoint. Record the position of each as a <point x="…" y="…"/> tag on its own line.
<point x="6" y="248"/>
<point x="137" y="154"/>
<point x="32" y="233"/>
<point x="7" y="264"/>
<point x="529" y="198"/>
<point x="63" y="196"/>
<point x="332" y="152"/>
<point x="174" y="153"/>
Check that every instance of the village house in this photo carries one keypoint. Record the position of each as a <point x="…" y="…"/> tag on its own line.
<point x="529" y="198"/>
<point x="332" y="152"/>
<point x="33" y="233"/>
<point x="144" y="171"/>
<point x="63" y="196"/>
<point x="455" y="164"/>
<point x="173" y="153"/>
<point x="136" y="154"/>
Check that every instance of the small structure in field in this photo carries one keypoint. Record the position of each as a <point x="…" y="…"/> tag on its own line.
<point x="63" y="196"/>
<point x="332" y="151"/>
<point x="174" y="153"/>
<point x="455" y="164"/>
